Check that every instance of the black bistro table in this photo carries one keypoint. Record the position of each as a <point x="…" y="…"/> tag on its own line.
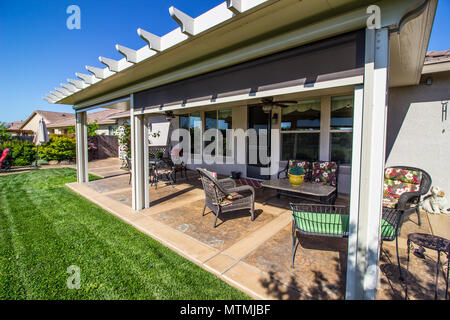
<point x="431" y="242"/>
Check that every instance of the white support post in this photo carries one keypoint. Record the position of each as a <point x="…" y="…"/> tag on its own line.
<point x="368" y="170"/>
<point x="139" y="161"/>
<point x="325" y="115"/>
<point x="82" y="147"/>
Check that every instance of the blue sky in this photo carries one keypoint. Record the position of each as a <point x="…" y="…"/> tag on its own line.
<point x="38" y="52"/>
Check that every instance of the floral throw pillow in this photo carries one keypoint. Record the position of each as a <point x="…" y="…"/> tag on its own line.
<point x="325" y="172"/>
<point x="403" y="175"/>
<point x="397" y="182"/>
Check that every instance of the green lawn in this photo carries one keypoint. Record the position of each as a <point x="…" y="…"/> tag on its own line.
<point x="45" y="228"/>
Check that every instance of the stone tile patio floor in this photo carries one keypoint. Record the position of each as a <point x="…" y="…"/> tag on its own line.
<point x="255" y="256"/>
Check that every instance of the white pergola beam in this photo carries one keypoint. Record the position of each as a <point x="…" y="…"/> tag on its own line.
<point x="154" y="42"/>
<point x="53" y="97"/>
<point x="235" y="6"/>
<point x="130" y="54"/>
<point x="69" y="87"/>
<point x="239" y="6"/>
<point x="63" y="91"/>
<point x="115" y="65"/>
<point x="57" y="94"/>
<point x="87" y="78"/>
<point x="186" y="22"/>
<point x="100" y="73"/>
<point x="189" y="27"/>
<point x="49" y="100"/>
<point x="79" y="84"/>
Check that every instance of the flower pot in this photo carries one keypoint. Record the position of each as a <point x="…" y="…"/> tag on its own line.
<point x="296" y="180"/>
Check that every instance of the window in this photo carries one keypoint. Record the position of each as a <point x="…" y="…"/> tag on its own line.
<point x="191" y="122"/>
<point x="300" y="130"/>
<point x="210" y="123"/>
<point x="225" y="122"/>
<point x="341" y="129"/>
<point x="221" y="120"/>
<point x="111" y="130"/>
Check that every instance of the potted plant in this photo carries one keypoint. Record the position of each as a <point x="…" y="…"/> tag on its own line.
<point x="159" y="155"/>
<point x="296" y="175"/>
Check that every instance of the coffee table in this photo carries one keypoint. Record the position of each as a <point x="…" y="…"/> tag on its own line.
<point x="316" y="192"/>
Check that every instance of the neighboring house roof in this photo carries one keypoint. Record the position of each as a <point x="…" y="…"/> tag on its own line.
<point x="50" y="117"/>
<point x="121" y="115"/>
<point x="103" y="117"/>
<point x="15" y="125"/>
<point x="436" y="61"/>
<point x="437" y="56"/>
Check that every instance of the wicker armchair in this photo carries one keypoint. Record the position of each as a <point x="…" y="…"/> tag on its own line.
<point x="222" y="196"/>
<point x="404" y="192"/>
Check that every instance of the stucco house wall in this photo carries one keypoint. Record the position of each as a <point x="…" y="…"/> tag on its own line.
<point x="417" y="134"/>
<point x="32" y="123"/>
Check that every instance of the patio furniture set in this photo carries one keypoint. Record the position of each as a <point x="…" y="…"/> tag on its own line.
<point x="163" y="168"/>
<point x="404" y="188"/>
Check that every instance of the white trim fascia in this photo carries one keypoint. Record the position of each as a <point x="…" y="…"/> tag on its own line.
<point x="79" y="109"/>
<point x="356" y="80"/>
<point x="436" y="67"/>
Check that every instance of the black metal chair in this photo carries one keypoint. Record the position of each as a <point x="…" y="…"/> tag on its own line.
<point x="222" y="196"/>
<point x="333" y="221"/>
<point x="319" y="220"/>
<point x="390" y="230"/>
<point x="410" y="201"/>
<point x="162" y="171"/>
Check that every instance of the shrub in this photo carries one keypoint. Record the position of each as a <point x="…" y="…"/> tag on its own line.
<point x="60" y="147"/>
<point x="21" y="153"/>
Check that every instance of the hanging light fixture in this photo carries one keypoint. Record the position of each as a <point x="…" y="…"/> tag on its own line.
<point x="267" y="108"/>
<point x="169" y="115"/>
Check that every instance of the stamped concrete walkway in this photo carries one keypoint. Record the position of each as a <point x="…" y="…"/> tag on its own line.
<point x="252" y="256"/>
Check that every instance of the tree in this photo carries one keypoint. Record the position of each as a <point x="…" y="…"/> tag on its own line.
<point x="4" y="135"/>
<point x="91" y="129"/>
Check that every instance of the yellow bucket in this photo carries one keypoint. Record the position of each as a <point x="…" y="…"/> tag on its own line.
<point x="296" y="180"/>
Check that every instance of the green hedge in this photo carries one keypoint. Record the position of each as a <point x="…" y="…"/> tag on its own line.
<point x="60" y="147"/>
<point x="21" y="153"/>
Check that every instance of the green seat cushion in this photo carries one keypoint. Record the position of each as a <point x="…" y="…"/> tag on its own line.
<point x="332" y="224"/>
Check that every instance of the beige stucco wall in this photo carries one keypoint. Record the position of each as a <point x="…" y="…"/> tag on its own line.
<point x="33" y="123"/>
<point x="416" y="134"/>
